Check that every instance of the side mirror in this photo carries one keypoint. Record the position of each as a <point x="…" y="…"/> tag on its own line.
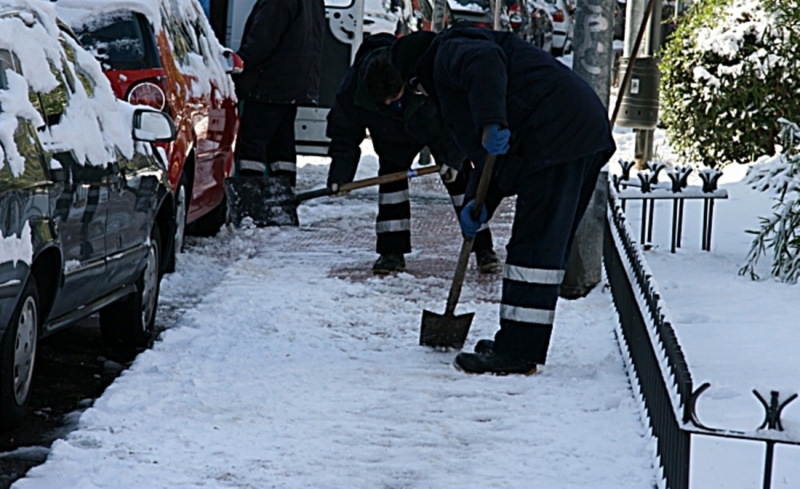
<point x="153" y="126"/>
<point x="233" y="63"/>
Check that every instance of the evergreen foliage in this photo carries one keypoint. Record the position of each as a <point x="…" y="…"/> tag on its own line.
<point x="781" y="231"/>
<point x="729" y="72"/>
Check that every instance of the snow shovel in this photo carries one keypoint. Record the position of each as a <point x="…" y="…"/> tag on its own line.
<point x="449" y="330"/>
<point x="272" y="202"/>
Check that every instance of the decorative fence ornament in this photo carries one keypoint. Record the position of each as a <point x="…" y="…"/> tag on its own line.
<point x="648" y="189"/>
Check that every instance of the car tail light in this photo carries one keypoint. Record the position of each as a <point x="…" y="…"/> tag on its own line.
<point x="514" y="17"/>
<point x="147" y="93"/>
<point x="558" y="16"/>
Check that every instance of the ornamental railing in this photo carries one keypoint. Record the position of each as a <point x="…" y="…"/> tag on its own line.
<point x="657" y="368"/>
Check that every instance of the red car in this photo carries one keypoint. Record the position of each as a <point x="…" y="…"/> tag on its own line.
<point x="163" y="53"/>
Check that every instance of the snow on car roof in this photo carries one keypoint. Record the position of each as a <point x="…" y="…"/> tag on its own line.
<point x="94" y="125"/>
<point x="78" y="13"/>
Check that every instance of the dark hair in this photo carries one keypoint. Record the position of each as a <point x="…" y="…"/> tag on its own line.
<point x="382" y="78"/>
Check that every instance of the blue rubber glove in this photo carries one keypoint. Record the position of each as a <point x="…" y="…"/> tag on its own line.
<point x="468" y="226"/>
<point x="497" y="142"/>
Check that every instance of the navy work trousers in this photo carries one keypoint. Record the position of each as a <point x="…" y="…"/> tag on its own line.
<point x="550" y="204"/>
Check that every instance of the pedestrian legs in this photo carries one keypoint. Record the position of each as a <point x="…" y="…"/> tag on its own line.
<point x="266" y="142"/>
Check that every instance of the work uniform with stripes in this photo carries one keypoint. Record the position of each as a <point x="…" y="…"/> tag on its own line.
<point x="398" y="134"/>
<point x="560" y="140"/>
<point x="282" y="52"/>
<point x="393" y="224"/>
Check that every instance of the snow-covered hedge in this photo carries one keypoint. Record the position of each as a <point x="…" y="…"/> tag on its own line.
<point x="730" y="72"/>
<point x="781" y="231"/>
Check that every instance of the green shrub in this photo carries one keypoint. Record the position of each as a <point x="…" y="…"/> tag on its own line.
<point x="729" y="72"/>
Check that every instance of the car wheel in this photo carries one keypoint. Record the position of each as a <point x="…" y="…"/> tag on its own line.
<point x="19" y="354"/>
<point x="129" y="322"/>
<point x="557" y="51"/>
<point x="182" y="198"/>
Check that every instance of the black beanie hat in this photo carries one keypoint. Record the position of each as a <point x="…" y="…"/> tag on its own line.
<point x="408" y="50"/>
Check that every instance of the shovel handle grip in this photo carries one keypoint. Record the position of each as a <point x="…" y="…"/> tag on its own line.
<point x="483" y="186"/>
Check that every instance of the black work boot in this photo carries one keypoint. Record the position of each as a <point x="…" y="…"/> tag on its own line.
<point x="488" y="261"/>
<point x="493" y="363"/>
<point x="484" y="346"/>
<point x="389" y="263"/>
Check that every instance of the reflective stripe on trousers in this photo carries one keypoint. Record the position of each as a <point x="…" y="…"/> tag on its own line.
<point x="389" y="198"/>
<point x="394" y="226"/>
<point x="277" y="166"/>
<point x="252" y="165"/>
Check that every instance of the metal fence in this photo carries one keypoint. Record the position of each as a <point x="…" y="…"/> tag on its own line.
<point x="657" y="367"/>
<point x="656" y="364"/>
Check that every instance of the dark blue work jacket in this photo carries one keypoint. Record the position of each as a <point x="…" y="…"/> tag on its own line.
<point x="480" y="77"/>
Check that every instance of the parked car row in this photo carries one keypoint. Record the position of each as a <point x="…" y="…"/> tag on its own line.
<point x="102" y="165"/>
<point x="541" y="22"/>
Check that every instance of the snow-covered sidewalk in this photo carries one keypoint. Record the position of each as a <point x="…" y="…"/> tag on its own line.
<point x="290" y="373"/>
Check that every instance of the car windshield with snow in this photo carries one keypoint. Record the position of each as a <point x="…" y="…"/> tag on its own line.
<point x="86" y="211"/>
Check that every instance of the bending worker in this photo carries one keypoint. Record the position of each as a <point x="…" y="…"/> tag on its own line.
<point x="499" y="94"/>
<point x="400" y="126"/>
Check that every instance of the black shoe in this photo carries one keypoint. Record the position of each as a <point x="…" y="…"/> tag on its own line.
<point x="493" y="363"/>
<point x="484" y="346"/>
<point x="387" y="264"/>
<point x="488" y="261"/>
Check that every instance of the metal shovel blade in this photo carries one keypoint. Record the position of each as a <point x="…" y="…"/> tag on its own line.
<point x="267" y="201"/>
<point x="445" y="331"/>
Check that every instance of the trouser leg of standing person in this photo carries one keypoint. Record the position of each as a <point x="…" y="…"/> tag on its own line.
<point x="258" y="125"/>
<point x="393" y="224"/>
<point x="550" y="204"/>
<point x="281" y="149"/>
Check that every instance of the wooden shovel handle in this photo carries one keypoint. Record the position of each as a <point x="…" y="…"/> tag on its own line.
<point x="367" y="182"/>
<point x="391" y="177"/>
<point x="466" y="246"/>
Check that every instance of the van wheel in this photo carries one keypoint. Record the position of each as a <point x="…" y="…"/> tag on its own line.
<point x="129" y="322"/>
<point x="18" y="349"/>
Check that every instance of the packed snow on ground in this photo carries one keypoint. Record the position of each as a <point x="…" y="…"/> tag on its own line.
<point x="278" y="374"/>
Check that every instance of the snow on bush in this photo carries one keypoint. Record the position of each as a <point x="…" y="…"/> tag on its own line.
<point x="781" y="231"/>
<point x="731" y="70"/>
